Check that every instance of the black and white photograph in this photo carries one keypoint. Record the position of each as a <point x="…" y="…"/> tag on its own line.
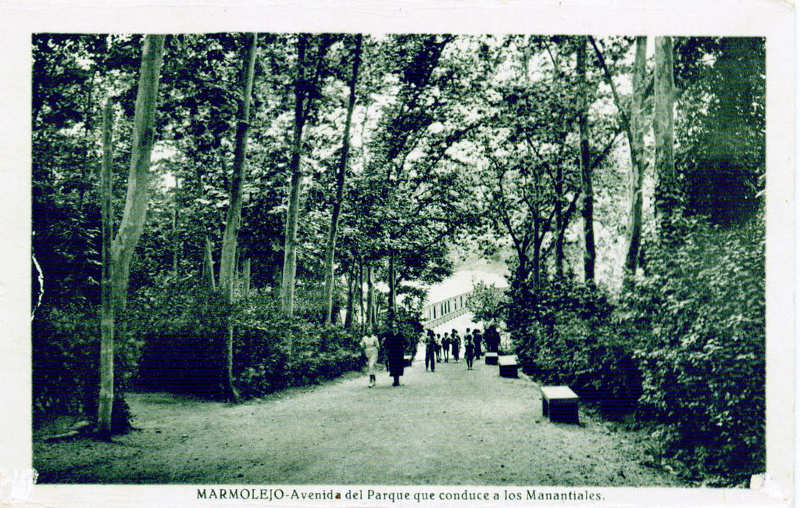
<point x="338" y="266"/>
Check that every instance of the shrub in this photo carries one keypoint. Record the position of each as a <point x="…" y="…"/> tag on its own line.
<point x="703" y="358"/>
<point x="272" y="351"/>
<point x="65" y="340"/>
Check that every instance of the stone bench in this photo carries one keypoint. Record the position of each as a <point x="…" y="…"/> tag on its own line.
<point x="508" y="366"/>
<point x="490" y="358"/>
<point x="560" y="403"/>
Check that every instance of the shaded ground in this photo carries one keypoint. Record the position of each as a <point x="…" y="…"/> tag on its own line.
<point x="450" y="427"/>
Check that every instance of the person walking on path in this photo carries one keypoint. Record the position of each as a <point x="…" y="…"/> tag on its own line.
<point x="446" y="347"/>
<point x="430" y="351"/>
<point x="469" y="352"/>
<point x="437" y="347"/>
<point x="455" y="343"/>
<point x="395" y="344"/>
<point x="476" y="339"/>
<point x="369" y="343"/>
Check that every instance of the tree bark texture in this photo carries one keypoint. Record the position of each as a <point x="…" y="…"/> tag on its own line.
<point x="666" y="198"/>
<point x="227" y="265"/>
<point x="587" y="191"/>
<point x="134" y="214"/>
<point x="638" y="165"/>
<point x="290" y="242"/>
<point x="208" y="266"/>
<point x="370" y="299"/>
<point x="106" y="303"/>
<point x="340" y="181"/>
<point x="392" y="303"/>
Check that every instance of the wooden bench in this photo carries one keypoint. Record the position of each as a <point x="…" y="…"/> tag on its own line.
<point x="560" y="403"/>
<point x="508" y="366"/>
<point x="490" y="358"/>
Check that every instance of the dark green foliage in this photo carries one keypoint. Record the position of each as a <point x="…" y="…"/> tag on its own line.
<point x="685" y="347"/>
<point x="65" y="375"/>
<point x="262" y="359"/>
<point x="185" y="326"/>
<point x="487" y="302"/>
<point x="699" y="328"/>
<point x="721" y="125"/>
<point x="570" y="339"/>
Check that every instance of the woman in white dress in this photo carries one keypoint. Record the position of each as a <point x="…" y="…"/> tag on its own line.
<point x="370" y="345"/>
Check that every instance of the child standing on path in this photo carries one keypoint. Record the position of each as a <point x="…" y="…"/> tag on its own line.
<point x="370" y="345"/>
<point x="446" y="347"/>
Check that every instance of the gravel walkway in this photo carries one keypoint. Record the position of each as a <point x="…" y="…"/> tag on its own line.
<point x="449" y="427"/>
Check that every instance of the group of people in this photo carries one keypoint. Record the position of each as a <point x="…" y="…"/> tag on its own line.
<point x="394" y="345"/>
<point x="438" y="348"/>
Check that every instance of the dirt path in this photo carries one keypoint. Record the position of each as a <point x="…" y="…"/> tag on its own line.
<point x="449" y="427"/>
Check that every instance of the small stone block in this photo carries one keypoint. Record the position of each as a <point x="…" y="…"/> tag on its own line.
<point x="560" y="403"/>
<point x="490" y="359"/>
<point x="508" y="366"/>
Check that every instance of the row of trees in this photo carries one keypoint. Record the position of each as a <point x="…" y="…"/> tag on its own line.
<point x="289" y="173"/>
<point x="217" y="131"/>
<point x="653" y="302"/>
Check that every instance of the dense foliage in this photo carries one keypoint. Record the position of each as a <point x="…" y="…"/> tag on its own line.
<point x="454" y="140"/>
<point x="681" y="349"/>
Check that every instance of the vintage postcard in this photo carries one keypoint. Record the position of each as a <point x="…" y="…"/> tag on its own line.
<point x="356" y="254"/>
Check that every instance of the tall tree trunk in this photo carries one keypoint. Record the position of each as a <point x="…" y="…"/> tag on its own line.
<point x="634" y="128"/>
<point x="587" y="210"/>
<point x="348" y="317"/>
<point x="392" y="303"/>
<point x="175" y="238"/>
<point x="536" y="262"/>
<point x="361" y="319"/>
<point x="340" y="177"/>
<point x="227" y="264"/>
<point x="208" y="266"/>
<point x="290" y="241"/>
<point x="133" y="217"/>
<point x="666" y="195"/>
<point x="560" y="222"/>
<point x="636" y="142"/>
<point x="370" y="299"/>
<point x="106" y="303"/>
